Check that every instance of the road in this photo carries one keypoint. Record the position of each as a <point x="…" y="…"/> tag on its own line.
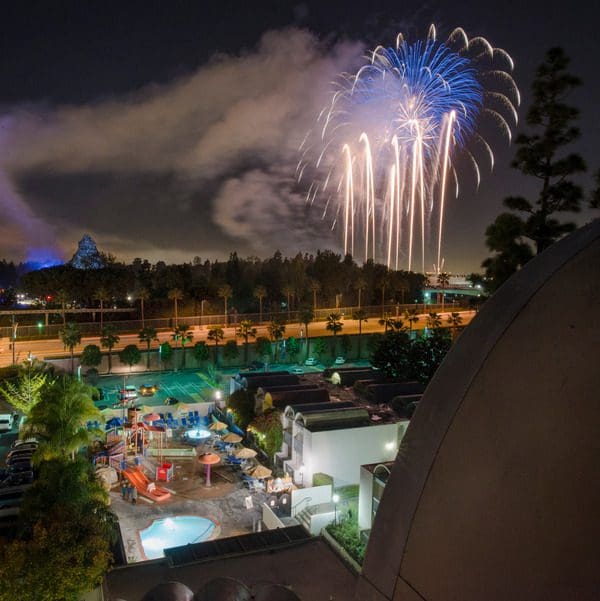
<point x="54" y="348"/>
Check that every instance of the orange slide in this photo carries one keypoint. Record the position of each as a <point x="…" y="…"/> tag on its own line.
<point x="144" y="486"/>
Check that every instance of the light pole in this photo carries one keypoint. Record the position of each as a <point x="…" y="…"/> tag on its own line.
<point x="202" y="312"/>
<point x="336" y="500"/>
<point x="30" y="362"/>
<point x="15" y="325"/>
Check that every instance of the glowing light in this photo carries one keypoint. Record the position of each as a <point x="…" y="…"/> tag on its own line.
<point x="390" y="138"/>
<point x="174" y="532"/>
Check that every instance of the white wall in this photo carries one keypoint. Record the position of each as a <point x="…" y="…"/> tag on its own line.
<point x="315" y="495"/>
<point x="365" y="499"/>
<point x="340" y="453"/>
<point x="270" y="520"/>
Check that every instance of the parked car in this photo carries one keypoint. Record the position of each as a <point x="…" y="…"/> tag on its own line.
<point x="310" y="361"/>
<point x="16" y="479"/>
<point x="7" y="421"/>
<point x="11" y="497"/>
<point x="129" y="392"/>
<point x="26" y="441"/>
<point x="340" y="361"/>
<point x="148" y="389"/>
<point x="297" y="370"/>
<point x="22" y="452"/>
<point x="171" y="400"/>
<point x="18" y="466"/>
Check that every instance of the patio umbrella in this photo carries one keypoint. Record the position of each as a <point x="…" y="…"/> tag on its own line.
<point x="231" y="437"/>
<point x="216" y="426"/>
<point x="208" y="459"/>
<point x="260" y="472"/>
<point x="151" y="417"/>
<point x="245" y="453"/>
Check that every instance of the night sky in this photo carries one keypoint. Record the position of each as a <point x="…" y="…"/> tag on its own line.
<point x="168" y="130"/>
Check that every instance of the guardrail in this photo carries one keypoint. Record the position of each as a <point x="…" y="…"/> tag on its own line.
<point x="133" y="326"/>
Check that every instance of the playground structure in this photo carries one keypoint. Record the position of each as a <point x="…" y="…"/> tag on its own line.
<point x="145" y="486"/>
<point x="134" y="438"/>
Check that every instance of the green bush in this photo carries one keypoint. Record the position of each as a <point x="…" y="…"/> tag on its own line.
<point x="347" y="492"/>
<point x="242" y="407"/>
<point x="347" y="534"/>
<point x="268" y="431"/>
<point x="320" y="479"/>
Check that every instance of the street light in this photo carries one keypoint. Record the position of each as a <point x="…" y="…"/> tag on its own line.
<point x="202" y="311"/>
<point x="15" y="325"/>
<point x="336" y="500"/>
<point x="30" y="358"/>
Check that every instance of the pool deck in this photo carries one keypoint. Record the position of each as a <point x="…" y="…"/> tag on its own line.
<point x="223" y="503"/>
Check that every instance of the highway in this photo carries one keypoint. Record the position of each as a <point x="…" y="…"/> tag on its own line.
<point x="42" y="349"/>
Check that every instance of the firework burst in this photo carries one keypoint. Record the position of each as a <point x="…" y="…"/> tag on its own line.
<point x="382" y="154"/>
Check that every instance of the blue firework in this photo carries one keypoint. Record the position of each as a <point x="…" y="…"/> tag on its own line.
<point x="385" y="148"/>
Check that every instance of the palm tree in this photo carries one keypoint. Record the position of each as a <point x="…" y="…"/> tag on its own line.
<point x="315" y="287"/>
<point x="455" y="320"/>
<point x="246" y="331"/>
<point x="225" y="292"/>
<point x="260" y="292"/>
<point x="335" y="325"/>
<point x="62" y="297"/>
<point x="383" y="282"/>
<point x="108" y="340"/>
<point x="148" y="335"/>
<point x="411" y="316"/>
<point x="143" y="295"/>
<point x="360" y="315"/>
<point x="71" y="337"/>
<point x="103" y="296"/>
<point x="396" y="325"/>
<point x="288" y="290"/>
<point x="434" y="320"/>
<point x="403" y="285"/>
<point x="216" y="335"/>
<point x="276" y="332"/>
<point x="387" y="321"/>
<point x="359" y="285"/>
<point x="443" y="279"/>
<point x="59" y="423"/>
<point x="307" y="316"/>
<point x="183" y="335"/>
<point x="175" y="294"/>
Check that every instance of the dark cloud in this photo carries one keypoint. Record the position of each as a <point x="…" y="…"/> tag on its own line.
<point x="204" y="165"/>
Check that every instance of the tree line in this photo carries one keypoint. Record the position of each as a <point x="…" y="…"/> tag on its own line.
<point x="249" y="285"/>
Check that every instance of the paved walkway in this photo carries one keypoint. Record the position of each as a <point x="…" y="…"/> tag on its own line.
<point x="224" y="503"/>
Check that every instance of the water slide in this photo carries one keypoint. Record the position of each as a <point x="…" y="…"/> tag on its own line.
<point x="145" y="486"/>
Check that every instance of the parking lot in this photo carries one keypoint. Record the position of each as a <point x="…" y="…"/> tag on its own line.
<point x="187" y="387"/>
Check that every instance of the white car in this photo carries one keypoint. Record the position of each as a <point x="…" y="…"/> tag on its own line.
<point x="297" y="370"/>
<point x="310" y="361"/>
<point x="6" y="422"/>
<point x="340" y="361"/>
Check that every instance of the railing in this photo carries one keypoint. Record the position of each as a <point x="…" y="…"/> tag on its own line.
<point x="167" y="323"/>
<point x="295" y="507"/>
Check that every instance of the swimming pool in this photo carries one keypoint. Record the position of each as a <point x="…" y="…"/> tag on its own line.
<point x="174" y="532"/>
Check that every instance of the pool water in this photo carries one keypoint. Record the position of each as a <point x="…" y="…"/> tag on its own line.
<point x="174" y="532"/>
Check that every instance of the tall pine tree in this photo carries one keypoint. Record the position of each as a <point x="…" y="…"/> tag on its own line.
<point x="541" y="154"/>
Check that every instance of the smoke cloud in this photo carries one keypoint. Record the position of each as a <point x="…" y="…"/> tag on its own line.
<point x="201" y="166"/>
